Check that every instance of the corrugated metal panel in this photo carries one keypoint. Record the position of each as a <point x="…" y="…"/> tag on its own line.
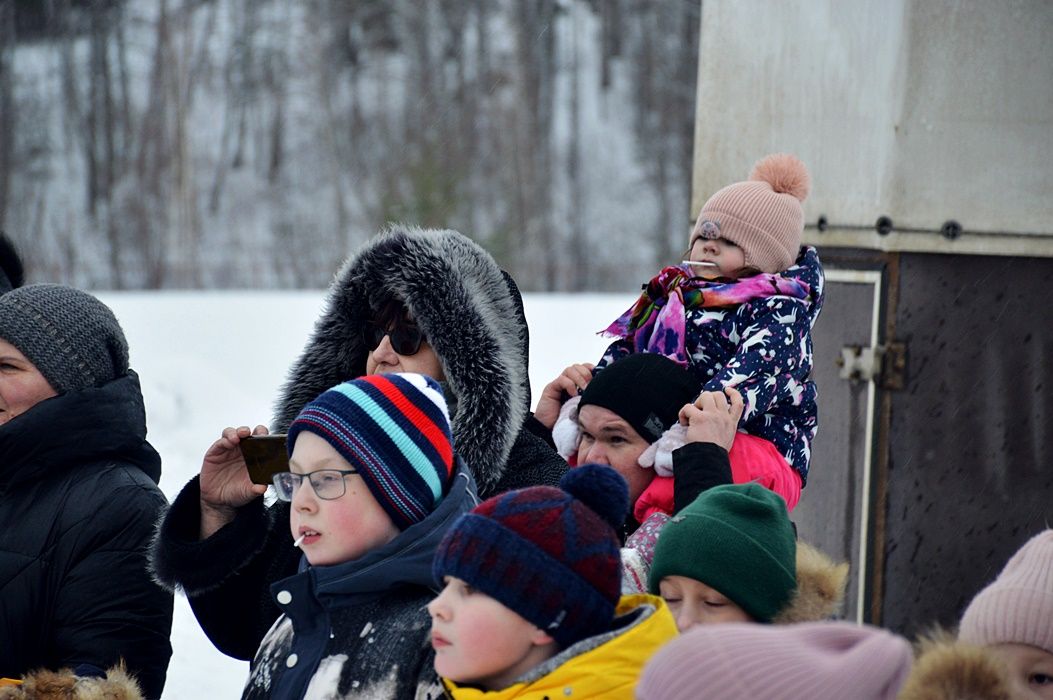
<point x="924" y="111"/>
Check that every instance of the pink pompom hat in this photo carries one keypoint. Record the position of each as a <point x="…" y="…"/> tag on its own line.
<point x="763" y="215"/>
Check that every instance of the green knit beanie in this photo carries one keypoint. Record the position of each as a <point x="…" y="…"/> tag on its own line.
<point x="737" y="539"/>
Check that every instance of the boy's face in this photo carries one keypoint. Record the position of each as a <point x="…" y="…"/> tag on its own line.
<point x="1030" y="670"/>
<point x="607" y="438"/>
<point x="341" y="529"/>
<point x="729" y="259"/>
<point x="478" y="640"/>
<point x="694" y="603"/>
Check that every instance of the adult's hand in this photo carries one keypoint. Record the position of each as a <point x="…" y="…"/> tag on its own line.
<point x="225" y="482"/>
<point x="713" y="417"/>
<point x="571" y="381"/>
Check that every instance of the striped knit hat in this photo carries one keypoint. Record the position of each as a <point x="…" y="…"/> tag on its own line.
<point x="393" y="428"/>
<point x="1017" y="608"/>
<point x="551" y="555"/>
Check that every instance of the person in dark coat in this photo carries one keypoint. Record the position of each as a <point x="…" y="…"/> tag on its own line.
<point x="374" y="484"/>
<point x="416" y="300"/>
<point x="78" y="494"/>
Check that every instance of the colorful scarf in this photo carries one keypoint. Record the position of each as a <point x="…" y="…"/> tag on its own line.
<point x="656" y="322"/>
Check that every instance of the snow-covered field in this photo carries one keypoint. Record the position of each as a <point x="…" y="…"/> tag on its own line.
<point x="212" y="359"/>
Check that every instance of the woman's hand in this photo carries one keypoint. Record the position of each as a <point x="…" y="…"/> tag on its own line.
<point x="713" y="417"/>
<point x="225" y="483"/>
<point x="571" y="381"/>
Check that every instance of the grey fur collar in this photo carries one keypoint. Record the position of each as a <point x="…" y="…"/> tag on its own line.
<point x="466" y="308"/>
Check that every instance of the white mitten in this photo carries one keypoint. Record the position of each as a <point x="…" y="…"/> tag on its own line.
<point x="660" y="453"/>
<point x="565" y="432"/>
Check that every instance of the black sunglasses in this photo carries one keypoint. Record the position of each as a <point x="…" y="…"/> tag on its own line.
<point x="405" y="338"/>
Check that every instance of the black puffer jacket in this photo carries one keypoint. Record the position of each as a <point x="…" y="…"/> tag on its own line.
<point x="78" y="504"/>
<point x="472" y="315"/>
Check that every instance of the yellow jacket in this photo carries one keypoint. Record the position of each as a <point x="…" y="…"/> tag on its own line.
<point x="605" y="666"/>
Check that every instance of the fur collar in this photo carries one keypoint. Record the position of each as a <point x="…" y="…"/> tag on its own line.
<point x="945" y="669"/>
<point x="63" y="685"/>
<point x="820" y="588"/>
<point x="471" y="315"/>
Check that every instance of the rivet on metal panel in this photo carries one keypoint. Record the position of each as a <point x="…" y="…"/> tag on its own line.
<point x="883" y="225"/>
<point x="951" y="229"/>
<point x="822" y="223"/>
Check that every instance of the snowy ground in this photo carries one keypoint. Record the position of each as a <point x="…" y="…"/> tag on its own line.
<point x="212" y="359"/>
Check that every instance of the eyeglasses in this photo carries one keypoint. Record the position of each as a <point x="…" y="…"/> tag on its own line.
<point x="327" y="483"/>
<point x="405" y="338"/>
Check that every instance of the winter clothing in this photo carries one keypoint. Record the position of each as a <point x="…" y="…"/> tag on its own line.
<point x="763" y="215"/>
<point x="742" y="661"/>
<point x="762" y="347"/>
<point x="647" y="391"/>
<point x="948" y="670"/>
<point x="395" y="430"/>
<point x="1017" y="607"/>
<point x="360" y="629"/>
<point x="69" y="335"/>
<point x="603" y="666"/>
<point x="472" y="316"/>
<point x="78" y="504"/>
<point x="114" y="684"/>
<point x="12" y="273"/>
<point x="546" y="539"/>
<point x="737" y="539"/>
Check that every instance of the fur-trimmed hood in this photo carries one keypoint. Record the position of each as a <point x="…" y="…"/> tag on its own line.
<point x="64" y="685"/>
<point x="470" y="313"/>
<point x="945" y="669"/>
<point x="820" y="588"/>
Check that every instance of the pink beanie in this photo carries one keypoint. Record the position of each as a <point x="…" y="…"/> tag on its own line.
<point x="763" y="215"/>
<point x="1016" y="608"/>
<point x="741" y="661"/>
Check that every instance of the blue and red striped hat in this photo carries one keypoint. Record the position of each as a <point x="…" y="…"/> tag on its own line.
<point x="393" y="428"/>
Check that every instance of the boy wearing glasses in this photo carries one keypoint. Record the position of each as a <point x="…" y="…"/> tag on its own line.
<point x="373" y="485"/>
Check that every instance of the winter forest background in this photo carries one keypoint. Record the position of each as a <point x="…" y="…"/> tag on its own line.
<point x="160" y="144"/>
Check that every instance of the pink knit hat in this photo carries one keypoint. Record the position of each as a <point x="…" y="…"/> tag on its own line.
<point x="763" y="215"/>
<point x="818" y="661"/>
<point x="1017" y="608"/>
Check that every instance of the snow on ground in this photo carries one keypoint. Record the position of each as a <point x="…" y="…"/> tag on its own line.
<point x="212" y="359"/>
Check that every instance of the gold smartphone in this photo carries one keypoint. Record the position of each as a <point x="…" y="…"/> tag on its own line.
<point x="265" y="456"/>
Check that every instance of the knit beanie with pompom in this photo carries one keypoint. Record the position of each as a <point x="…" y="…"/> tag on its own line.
<point x="552" y="555"/>
<point x="763" y="215"/>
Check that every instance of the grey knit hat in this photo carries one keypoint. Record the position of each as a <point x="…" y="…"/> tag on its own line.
<point x="69" y="335"/>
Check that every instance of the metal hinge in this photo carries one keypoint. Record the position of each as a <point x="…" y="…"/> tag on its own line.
<point x="885" y="365"/>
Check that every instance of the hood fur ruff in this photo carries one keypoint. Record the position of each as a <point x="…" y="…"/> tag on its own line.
<point x="63" y="685"/>
<point x="467" y="310"/>
<point x="820" y="588"/>
<point x="947" y="670"/>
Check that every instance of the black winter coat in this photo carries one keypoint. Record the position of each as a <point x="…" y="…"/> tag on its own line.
<point x="472" y="315"/>
<point x="78" y="505"/>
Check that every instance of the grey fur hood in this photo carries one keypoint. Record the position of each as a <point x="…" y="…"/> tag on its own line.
<point x="471" y="314"/>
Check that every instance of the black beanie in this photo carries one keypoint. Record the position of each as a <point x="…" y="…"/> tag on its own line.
<point x="69" y="335"/>
<point x="646" y="390"/>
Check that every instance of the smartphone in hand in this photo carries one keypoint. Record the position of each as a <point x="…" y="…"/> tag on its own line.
<point x="265" y="456"/>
